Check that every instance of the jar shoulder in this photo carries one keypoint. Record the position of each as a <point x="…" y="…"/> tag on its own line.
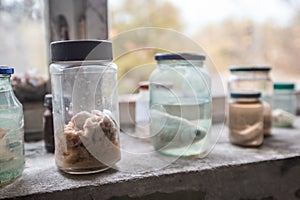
<point x="85" y="66"/>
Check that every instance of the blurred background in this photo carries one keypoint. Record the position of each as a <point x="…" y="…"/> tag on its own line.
<point x="231" y="32"/>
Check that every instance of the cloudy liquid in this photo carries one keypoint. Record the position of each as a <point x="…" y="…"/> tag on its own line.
<point x="200" y="116"/>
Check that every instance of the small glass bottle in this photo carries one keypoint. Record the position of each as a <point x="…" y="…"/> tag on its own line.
<point x="85" y="106"/>
<point x="246" y="119"/>
<point x="12" y="157"/>
<point x="284" y="104"/>
<point x="254" y="78"/>
<point x="180" y="105"/>
<point x="142" y="111"/>
<point x="48" y="124"/>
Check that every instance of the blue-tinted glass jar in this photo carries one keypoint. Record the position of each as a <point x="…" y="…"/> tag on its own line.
<point x="12" y="157"/>
<point x="180" y="104"/>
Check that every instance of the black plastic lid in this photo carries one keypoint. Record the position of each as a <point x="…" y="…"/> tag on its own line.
<point x="6" y="70"/>
<point x="245" y="94"/>
<point x="48" y="100"/>
<point x="249" y="68"/>
<point x="81" y="50"/>
<point x="179" y="56"/>
<point x="284" y="86"/>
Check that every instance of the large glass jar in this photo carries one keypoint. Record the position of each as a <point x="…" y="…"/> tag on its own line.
<point x="255" y="78"/>
<point x="12" y="158"/>
<point x="246" y="119"/>
<point x="180" y="104"/>
<point x="85" y="106"/>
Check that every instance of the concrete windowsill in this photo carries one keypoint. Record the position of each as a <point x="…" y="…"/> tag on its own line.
<point x="229" y="172"/>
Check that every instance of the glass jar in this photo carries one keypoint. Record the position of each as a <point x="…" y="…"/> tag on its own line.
<point x="85" y="106"/>
<point x="246" y="119"/>
<point x="284" y="104"/>
<point x="180" y="104"/>
<point x="12" y="157"/>
<point x="255" y="78"/>
<point x="142" y="111"/>
<point x="48" y="124"/>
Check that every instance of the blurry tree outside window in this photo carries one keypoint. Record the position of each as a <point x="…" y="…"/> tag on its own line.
<point x="231" y="32"/>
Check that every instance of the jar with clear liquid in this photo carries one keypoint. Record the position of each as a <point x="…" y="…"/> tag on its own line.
<point x="254" y="78"/>
<point x="180" y="105"/>
<point x="12" y="158"/>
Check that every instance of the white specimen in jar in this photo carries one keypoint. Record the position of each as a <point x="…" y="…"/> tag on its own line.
<point x="172" y="131"/>
<point x="90" y="140"/>
<point x="246" y="123"/>
<point x="79" y="119"/>
<point x="251" y="132"/>
<point x="282" y="118"/>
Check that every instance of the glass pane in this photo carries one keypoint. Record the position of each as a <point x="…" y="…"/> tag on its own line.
<point x="23" y="46"/>
<point x="231" y="32"/>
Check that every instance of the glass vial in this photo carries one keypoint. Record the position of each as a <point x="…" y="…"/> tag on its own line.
<point x="85" y="106"/>
<point x="246" y="119"/>
<point x="12" y="157"/>
<point x="254" y="78"/>
<point x="180" y="105"/>
<point x="48" y="124"/>
<point x="142" y="111"/>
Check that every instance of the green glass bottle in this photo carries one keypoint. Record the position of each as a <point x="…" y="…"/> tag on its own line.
<point x="12" y="158"/>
